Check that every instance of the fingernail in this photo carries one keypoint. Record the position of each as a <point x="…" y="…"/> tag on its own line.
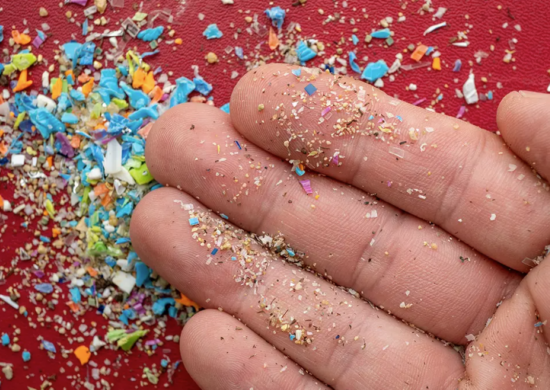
<point x="531" y="94"/>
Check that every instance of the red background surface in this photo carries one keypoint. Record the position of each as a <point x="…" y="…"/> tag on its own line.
<point x="484" y="26"/>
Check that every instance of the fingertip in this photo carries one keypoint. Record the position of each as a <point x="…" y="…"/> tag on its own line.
<point x="507" y="111"/>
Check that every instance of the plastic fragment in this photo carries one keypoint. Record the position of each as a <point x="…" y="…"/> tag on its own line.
<point x="1" y="33"/>
<point x="20" y="39"/>
<point x="306" y="185"/>
<point x="48" y="346"/>
<point x="193" y="221"/>
<point x="26" y="356"/>
<point x="141" y="174"/>
<point x="277" y="16"/>
<point x="352" y="57"/>
<point x="419" y="52"/>
<point x="273" y="40"/>
<point x="5" y="339"/>
<point x="381" y="34"/>
<point x="142" y="273"/>
<point x="128" y="340"/>
<point x="124" y="281"/>
<point x="225" y="108"/>
<point x="22" y="82"/>
<point x="434" y="27"/>
<point x="23" y="61"/>
<point x="304" y="52"/>
<point x="44" y="288"/>
<point x="375" y="70"/>
<point x="202" y="86"/>
<point x="436" y="64"/>
<point x="45" y="122"/>
<point x="150" y="34"/>
<point x="159" y="307"/>
<point x="184" y="87"/>
<point x="458" y="66"/>
<point x="83" y="354"/>
<point x="310" y="89"/>
<point x="354" y="39"/>
<point x="212" y="32"/>
<point x="469" y="90"/>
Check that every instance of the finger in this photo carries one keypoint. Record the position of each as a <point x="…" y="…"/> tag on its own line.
<point x="524" y="121"/>
<point x="421" y="275"/>
<point x="219" y="352"/>
<point x="338" y="338"/>
<point x="512" y="352"/>
<point x="457" y="176"/>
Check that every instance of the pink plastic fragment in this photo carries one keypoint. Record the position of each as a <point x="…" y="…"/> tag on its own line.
<point x="419" y="102"/>
<point x="335" y="159"/>
<point x="79" y="2"/>
<point x="461" y="112"/>
<point x="326" y="111"/>
<point x="37" y="41"/>
<point x="306" y="185"/>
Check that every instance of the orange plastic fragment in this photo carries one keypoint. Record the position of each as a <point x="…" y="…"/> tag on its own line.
<point x="69" y="73"/>
<point x="1" y="202"/>
<point x="156" y="94"/>
<point x="83" y="78"/>
<point x="436" y="65"/>
<point x="49" y="160"/>
<point x="144" y="131"/>
<point x="74" y="307"/>
<point x="178" y="41"/>
<point x="273" y="41"/>
<point x="3" y="149"/>
<point x="20" y="39"/>
<point x="187" y="302"/>
<point x="100" y="189"/>
<point x="91" y="271"/>
<point x="139" y="78"/>
<point x="1" y="131"/>
<point x="87" y="88"/>
<point x="83" y="354"/>
<point x="419" y="52"/>
<point x="56" y="88"/>
<point x="55" y="232"/>
<point x="149" y="83"/>
<point x="75" y="141"/>
<point x="22" y="83"/>
<point x="106" y="200"/>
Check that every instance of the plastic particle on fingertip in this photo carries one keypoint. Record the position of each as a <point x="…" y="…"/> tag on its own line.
<point x="297" y="72"/>
<point x="193" y="221"/>
<point x="214" y="251"/>
<point x="277" y="16"/>
<point x="304" y="52"/>
<point x="150" y="34"/>
<point x="310" y="89"/>
<point x="381" y="34"/>
<point x="225" y="108"/>
<point x="374" y="71"/>
<point x="212" y="32"/>
<point x="184" y="87"/>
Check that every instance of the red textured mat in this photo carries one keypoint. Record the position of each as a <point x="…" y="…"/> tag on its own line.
<point x="489" y="29"/>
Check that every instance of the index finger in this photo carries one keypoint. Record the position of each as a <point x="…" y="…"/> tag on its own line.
<point x="438" y="168"/>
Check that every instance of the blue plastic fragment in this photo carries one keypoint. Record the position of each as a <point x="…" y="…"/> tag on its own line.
<point x="44" y="239"/>
<point x="164" y="363"/>
<point x="5" y="339"/>
<point x="458" y="66"/>
<point x="70" y="49"/>
<point x="352" y="57"/>
<point x="142" y="273"/>
<point x="75" y="294"/>
<point x="297" y="72"/>
<point x="173" y="311"/>
<point x="69" y="118"/>
<point x="85" y="27"/>
<point x="225" y="108"/>
<point x="212" y="32"/>
<point x="430" y="50"/>
<point x="124" y="318"/>
<point x="45" y="288"/>
<point x="310" y="89"/>
<point x="159" y="307"/>
<point x="239" y="52"/>
<point x="277" y="16"/>
<point x="1" y="33"/>
<point x="26" y="356"/>
<point x="490" y="95"/>
<point x="224" y="216"/>
<point x="85" y="54"/>
<point x="145" y="112"/>
<point x="126" y="210"/>
<point x="184" y="87"/>
<point x="381" y="34"/>
<point x="45" y="122"/>
<point x="290" y="252"/>
<point x="202" y="86"/>
<point x="138" y="98"/>
<point x="375" y="70"/>
<point x="233" y="258"/>
<point x="354" y="39"/>
<point x="214" y="251"/>
<point x="193" y="221"/>
<point x="49" y="346"/>
<point x="300" y="172"/>
<point x="63" y="102"/>
<point x="109" y="86"/>
<point x="304" y="52"/>
<point x="292" y="337"/>
<point x="238" y="144"/>
<point x="77" y="95"/>
<point x="150" y="34"/>
<point x="151" y="53"/>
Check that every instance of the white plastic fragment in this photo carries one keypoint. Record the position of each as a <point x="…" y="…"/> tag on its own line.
<point x="379" y="83"/>
<point x="434" y="27"/>
<point x="17" y="160"/>
<point x="9" y="301"/>
<point x="124" y="175"/>
<point x="462" y="44"/>
<point x="43" y="101"/>
<point x="94" y="174"/>
<point x="113" y="157"/>
<point x="493" y="217"/>
<point x="413" y="87"/>
<point x="548" y="89"/>
<point x="97" y="344"/>
<point x="46" y="79"/>
<point x="124" y="281"/>
<point x="440" y="12"/>
<point x="470" y="337"/>
<point x="224" y="2"/>
<point x="469" y="90"/>
<point x="7" y="206"/>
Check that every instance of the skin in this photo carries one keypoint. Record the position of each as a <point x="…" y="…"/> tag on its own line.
<point x="439" y="268"/>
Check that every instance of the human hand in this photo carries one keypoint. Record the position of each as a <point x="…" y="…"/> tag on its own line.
<point x="364" y="227"/>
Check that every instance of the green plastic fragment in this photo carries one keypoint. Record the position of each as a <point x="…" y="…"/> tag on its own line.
<point x="128" y="341"/>
<point x="150" y="376"/>
<point x="19" y="119"/>
<point x="121" y="104"/>
<point x="9" y="69"/>
<point x="133" y="163"/>
<point x="115" y="334"/>
<point x="65" y="86"/>
<point x="96" y="111"/>
<point x="94" y="219"/>
<point x="49" y="208"/>
<point x="139" y="16"/>
<point x="141" y="175"/>
<point x="389" y="41"/>
<point x="23" y="61"/>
